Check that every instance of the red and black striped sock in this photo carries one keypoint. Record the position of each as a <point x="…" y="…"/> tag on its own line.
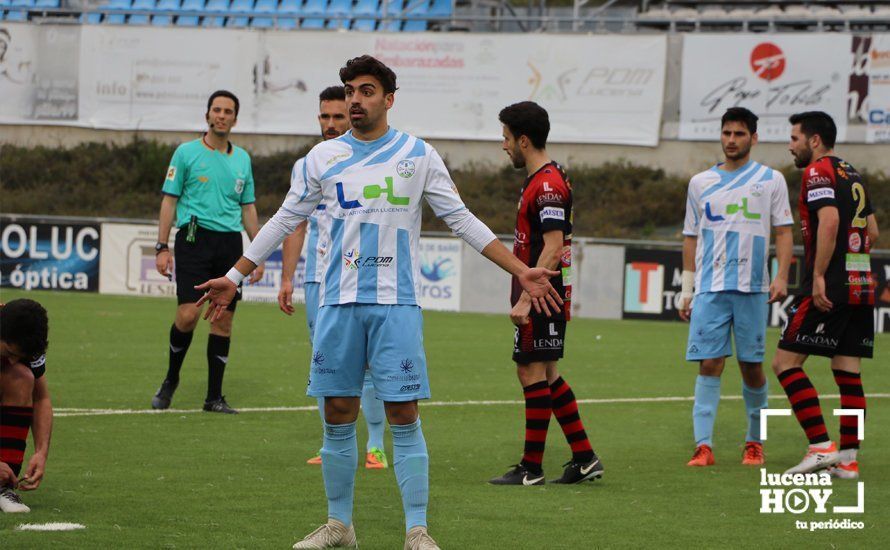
<point x="537" y="420"/>
<point x="805" y="403"/>
<point x="852" y="397"/>
<point x="565" y="408"/>
<point x="14" y="425"/>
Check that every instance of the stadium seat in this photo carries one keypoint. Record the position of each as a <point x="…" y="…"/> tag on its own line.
<point x="165" y="5"/>
<point x="188" y="7"/>
<point x="291" y="7"/>
<point x="365" y="8"/>
<point x="286" y="23"/>
<point x="116" y="18"/>
<point x="260" y="10"/>
<point x="341" y="8"/>
<point x="239" y="7"/>
<point x="312" y="10"/>
<point x="393" y="9"/>
<point x="19" y="15"/>
<point x="47" y="4"/>
<point x="215" y="6"/>
<point x="138" y="18"/>
<point x="416" y="8"/>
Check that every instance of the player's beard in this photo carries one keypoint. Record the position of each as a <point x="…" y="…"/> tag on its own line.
<point x="803" y="158"/>
<point x="517" y="158"/>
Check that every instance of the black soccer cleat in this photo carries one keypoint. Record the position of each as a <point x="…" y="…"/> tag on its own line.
<point x="219" y="406"/>
<point x="576" y="472"/>
<point x="519" y="475"/>
<point x="162" y="399"/>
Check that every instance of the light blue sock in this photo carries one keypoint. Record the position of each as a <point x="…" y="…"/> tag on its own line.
<point x="321" y="409"/>
<point x="704" y="411"/>
<point x="755" y="399"/>
<point x="339" y="461"/>
<point x="375" y="416"/>
<point x="412" y="466"/>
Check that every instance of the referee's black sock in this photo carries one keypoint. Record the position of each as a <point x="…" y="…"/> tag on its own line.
<point x="179" y="345"/>
<point x="217" y="357"/>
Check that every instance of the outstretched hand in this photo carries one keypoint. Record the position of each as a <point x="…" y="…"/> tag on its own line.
<point x="219" y="293"/>
<point x="545" y="298"/>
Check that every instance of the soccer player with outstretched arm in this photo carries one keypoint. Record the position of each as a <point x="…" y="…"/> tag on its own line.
<point x="373" y="179"/>
<point x="333" y="117"/>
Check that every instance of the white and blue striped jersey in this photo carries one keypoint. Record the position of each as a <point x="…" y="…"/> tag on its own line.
<point x="731" y="214"/>
<point x="318" y="232"/>
<point x="371" y="192"/>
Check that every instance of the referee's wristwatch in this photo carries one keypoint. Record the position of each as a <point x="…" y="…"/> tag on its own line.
<point x="160" y="247"/>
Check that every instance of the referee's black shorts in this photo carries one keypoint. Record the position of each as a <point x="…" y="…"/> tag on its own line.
<point x="211" y="255"/>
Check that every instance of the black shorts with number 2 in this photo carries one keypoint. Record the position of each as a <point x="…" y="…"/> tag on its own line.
<point x="542" y="339"/>
<point x="211" y="255"/>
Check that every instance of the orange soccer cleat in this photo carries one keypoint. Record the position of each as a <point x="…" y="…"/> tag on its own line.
<point x="376" y="459"/>
<point x="703" y="456"/>
<point x="315" y="460"/>
<point x="753" y="455"/>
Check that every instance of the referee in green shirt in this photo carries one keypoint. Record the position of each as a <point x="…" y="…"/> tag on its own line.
<point x="209" y="190"/>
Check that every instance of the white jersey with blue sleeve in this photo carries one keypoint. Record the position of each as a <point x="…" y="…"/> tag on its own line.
<point x="318" y="232"/>
<point x="731" y="214"/>
<point x="371" y="192"/>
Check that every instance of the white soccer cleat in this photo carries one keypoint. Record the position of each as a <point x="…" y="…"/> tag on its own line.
<point x="333" y="534"/>
<point x="845" y="470"/>
<point x="816" y="459"/>
<point x="10" y="502"/>
<point x="418" y="539"/>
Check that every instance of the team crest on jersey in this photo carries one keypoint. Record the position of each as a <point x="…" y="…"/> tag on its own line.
<point x="757" y="189"/>
<point x="203" y="179"/>
<point x="406" y="168"/>
<point x="171" y="173"/>
<point x="239" y="185"/>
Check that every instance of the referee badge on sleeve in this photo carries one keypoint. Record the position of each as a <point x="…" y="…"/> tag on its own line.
<point x="239" y="185"/>
<point x="171" y="173"/>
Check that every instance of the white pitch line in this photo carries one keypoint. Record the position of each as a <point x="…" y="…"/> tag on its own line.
<point x="70" y="412"/>
<point x="50" y="527"/>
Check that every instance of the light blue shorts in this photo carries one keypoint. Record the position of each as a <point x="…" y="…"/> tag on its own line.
<point x="387" y="338"/>
<point x="715" y="313"/>
<point x="311" y="291"/>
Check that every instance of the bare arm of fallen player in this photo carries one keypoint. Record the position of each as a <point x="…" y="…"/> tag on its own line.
<point x="549" y="259"/>
<point x="41" y="430"/>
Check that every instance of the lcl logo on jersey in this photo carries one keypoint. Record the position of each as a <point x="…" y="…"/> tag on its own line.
<point x="732" y="209"/>
<point x="372" y="192"/>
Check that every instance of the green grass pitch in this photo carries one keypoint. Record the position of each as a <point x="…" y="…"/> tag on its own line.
<point x="195" y="480"/>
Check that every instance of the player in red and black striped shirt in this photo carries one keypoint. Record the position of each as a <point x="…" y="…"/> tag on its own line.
<point x="24" y="399"/>
<point x="834" y="315"/>
<point x="543" y="238"/>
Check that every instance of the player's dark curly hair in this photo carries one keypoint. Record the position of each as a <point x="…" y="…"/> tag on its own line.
<point x="816" y="123"/>
<point x="740" y="114"/>
<point x="223" y="93"/>
<point x="332" y="93"/>
<point x="369" y="66"/>
<point x="24" y="323"/>
<point x="529" y="119"/>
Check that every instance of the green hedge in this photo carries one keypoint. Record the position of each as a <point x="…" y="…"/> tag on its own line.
<point x="617" y="199"/>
